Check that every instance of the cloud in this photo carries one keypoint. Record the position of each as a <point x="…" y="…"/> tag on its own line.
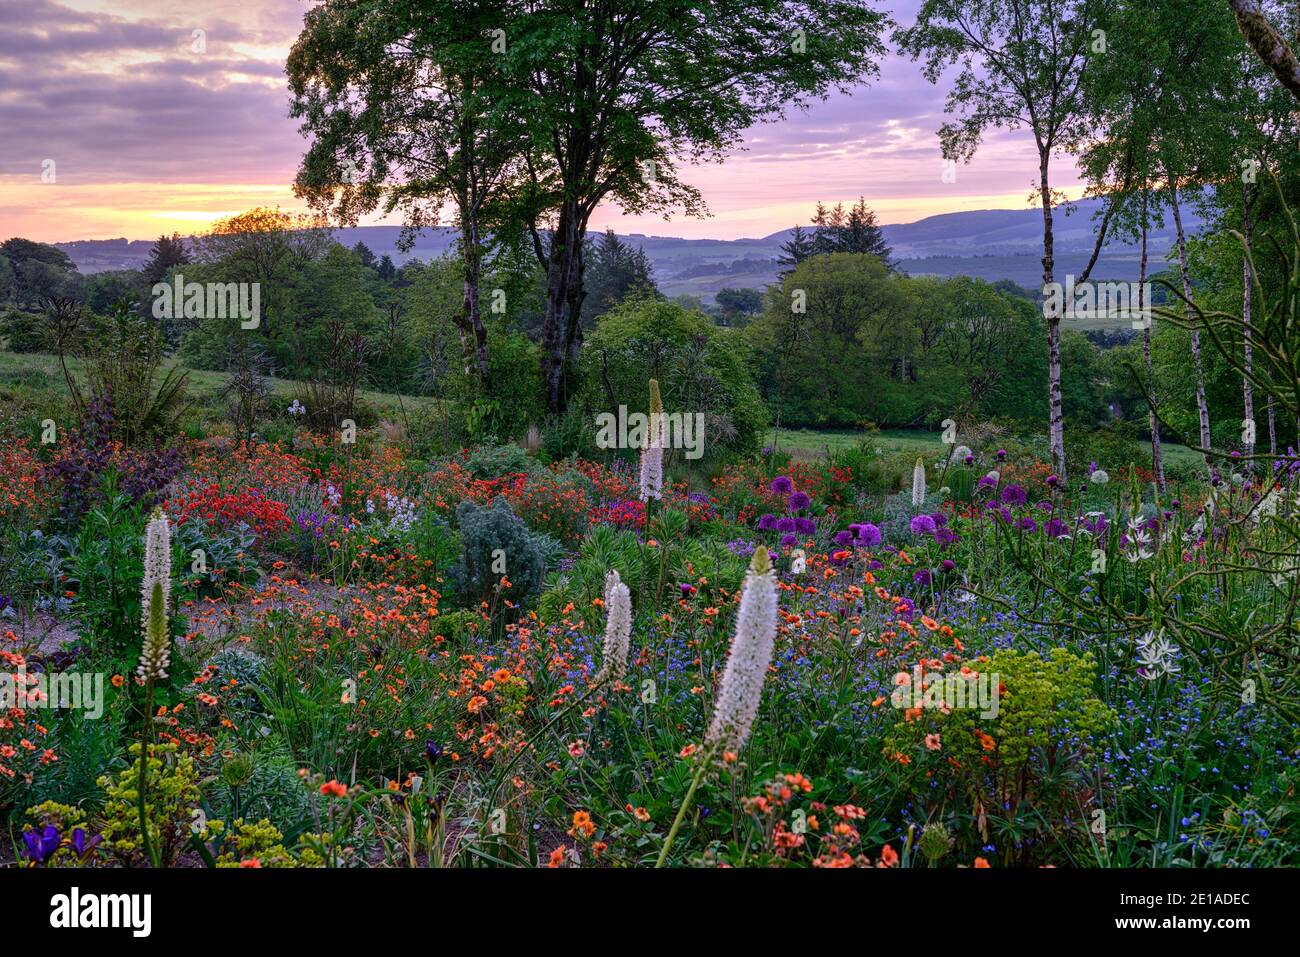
<point x="115" y="94"/>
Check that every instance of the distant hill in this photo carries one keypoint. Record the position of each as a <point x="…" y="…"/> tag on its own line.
<point x="988" y="244"/>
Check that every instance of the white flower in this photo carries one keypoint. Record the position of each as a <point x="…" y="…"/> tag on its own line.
<point x="158" y="557"/>
<point x="155" y="652"/>
<point x="652" y="468"/>
<point x="918" y="484"/>
<point x="618" y="629"/>
<point x="1100" y="477"/>
<point x="1139" y="543"/>
<point x="1156" y="656"/>
<point x="959" y="454"/>
<point x="297" y="408"/>
<point x="741" y="688"/>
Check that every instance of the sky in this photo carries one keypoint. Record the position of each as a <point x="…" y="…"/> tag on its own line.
<point x="119" y="119"/>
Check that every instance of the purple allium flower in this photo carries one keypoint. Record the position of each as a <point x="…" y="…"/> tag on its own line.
<point x="922" y="576"/>
<point x="1028" y="524"/>
<point x="785" y="524"/>
<point x="805" y="526"/>
<point x="940" y="519"/>
<point x="970" y="460"/>
<point x="844" y="537"/>
<point x="986" y="481"/>
<point x="782" y="485"/>
<point x="1056" y="528"/>
<point x="945" y="536"/>
<point x="1014" y="495"/>
<point x="1045" y="506"/>
<point x="947" y="564"/>
<point x="1002" y="455"/>
<point x="766" y="522"/>
<point x="875" y="565"/>
<point x="799" y="501"/>
<point x="788" y="540"/>
<point x="686" y="589"/>
<point x="923" y="525"/>
<point x="39" y="847"/>
<point x="1053" y="481"/>
<point x="868" y="535"/>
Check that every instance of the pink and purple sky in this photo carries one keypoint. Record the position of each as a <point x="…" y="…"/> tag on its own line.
<point x="148" y="136"/>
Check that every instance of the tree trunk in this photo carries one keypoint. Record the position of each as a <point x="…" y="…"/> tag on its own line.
<point x="1056" y="422"/>
<point x="1247" y="391"/>
<point x="1157" y="454"/>
<point x="1272" y="429"/>
<point x="561" y="329"/>
<point x="1202" y="408"/>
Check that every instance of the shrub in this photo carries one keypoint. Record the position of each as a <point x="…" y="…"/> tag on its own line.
<point x="700" y="368"/>
<point x="495" y="544"/>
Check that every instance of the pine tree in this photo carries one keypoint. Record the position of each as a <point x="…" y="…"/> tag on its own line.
<point x="167" y="252"/>
<point x="795" y="250"/>
<point x="861" y="234"/>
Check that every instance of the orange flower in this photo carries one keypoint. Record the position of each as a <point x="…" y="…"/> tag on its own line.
<point x="557" y="857"/>
<point x="980" y="862"/>
<point x="888" y="856"/>
<point x="476" y="704"/>
<point x="932" y="742"/>
<point x="582" y="824"/>
<point x="641" y="814"/>
<point x="333" y="789"/>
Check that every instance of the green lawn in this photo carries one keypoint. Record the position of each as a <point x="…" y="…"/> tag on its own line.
<point x="39" y="372"/>
<point x="807" y="444"/>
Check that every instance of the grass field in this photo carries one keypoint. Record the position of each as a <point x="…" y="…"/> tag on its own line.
<point x="38" y="372"/>
<point x="808" y="445"/>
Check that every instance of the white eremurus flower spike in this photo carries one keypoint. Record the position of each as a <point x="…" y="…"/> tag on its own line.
<point x="918" y="483"/>
<point x="652" y="456"/>
<point x="155" y="653"/>
<point x="751" y="653"/>
<point x="618" y="629"/>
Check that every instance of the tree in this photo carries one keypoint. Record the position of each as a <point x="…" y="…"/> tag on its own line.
<point x="1022" y="64"/>
<point x="861" y="234"/>
<point x="364" y="254"/>
<point x="616" y="94"/>
<point x="1268" y="43"/>
<point x="795" y="249"/>
<point x="617" y="271"/>
<point x="406" y="112"/>
<point x="738" y="305"/>
<point x="167" y="252"/>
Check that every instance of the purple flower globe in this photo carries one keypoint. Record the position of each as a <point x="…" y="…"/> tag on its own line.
<point x="805" y="526"/>
<point x="782" y="485"/>
<point x="788" y="540"/>
<point x="767" y="522"/>
<point x="844" y="537"/>
<point x="1014" y="495"/>
<point x="785" y="524"/>
<point x="868" y="535"/>
<point x="923" y="525"/>
<point x="799" y="501"/>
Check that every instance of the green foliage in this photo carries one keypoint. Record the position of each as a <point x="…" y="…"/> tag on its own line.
<point x="22" y="331"/>
<point x="125" y="365"/>
<point x="700" y="368"/>
<point x="491" y="536"/>
<point x="172" y="793"/>
<point x="494" y="461"/>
